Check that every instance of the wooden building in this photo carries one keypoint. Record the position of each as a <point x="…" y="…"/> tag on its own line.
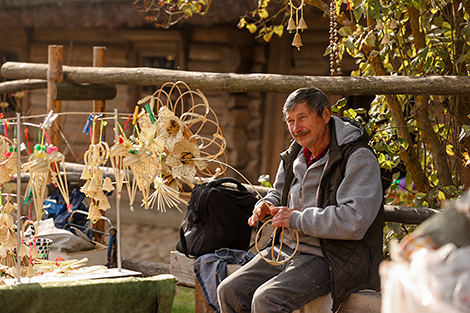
<point x="251" y="122"/>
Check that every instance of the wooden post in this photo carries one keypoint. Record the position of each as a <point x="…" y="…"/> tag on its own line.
<point x="55" y="74"/>
<point x="99" y="56"/>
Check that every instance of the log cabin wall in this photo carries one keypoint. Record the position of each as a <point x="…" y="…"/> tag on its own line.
<point x="251" y="122"/>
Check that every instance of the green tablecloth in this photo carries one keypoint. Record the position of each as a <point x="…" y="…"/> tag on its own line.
<point x="130" y="295"/>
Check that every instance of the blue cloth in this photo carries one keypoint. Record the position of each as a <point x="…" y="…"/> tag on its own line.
<point x="55" y="207"/>
<point x="211" y="269"/>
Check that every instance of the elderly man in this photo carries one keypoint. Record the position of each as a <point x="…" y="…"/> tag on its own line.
<point x="328" y="188"/>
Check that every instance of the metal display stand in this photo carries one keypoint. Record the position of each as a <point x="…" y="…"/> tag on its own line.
<point x="18" y="196"/>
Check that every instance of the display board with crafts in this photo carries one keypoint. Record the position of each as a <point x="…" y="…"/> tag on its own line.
<point x="171" y="142"/>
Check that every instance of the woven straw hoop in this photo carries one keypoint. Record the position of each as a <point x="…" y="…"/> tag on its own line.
<point x="275" y="261"/>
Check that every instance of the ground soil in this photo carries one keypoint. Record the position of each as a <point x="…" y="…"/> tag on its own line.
<point x="147" y="242"/>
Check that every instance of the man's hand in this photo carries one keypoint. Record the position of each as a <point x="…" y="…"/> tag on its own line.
<point x="281" y="216"/>
<point x="260" y="212"/>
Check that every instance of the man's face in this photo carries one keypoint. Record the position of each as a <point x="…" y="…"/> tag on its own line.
<point x="308" y="128"/>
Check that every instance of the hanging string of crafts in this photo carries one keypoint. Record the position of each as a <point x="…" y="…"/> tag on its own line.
<point x="335" y="59"/>
<point x="43" y="166"/>
<point x="95" y="186"/>
<point x="298" y="24"/>
<point x="381" y="26"/>
<point x="170" y="149"/>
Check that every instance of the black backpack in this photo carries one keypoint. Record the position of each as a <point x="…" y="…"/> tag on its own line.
<point x="217" y="217"/>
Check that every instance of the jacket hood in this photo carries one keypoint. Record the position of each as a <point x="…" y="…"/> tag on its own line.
<point x="346" y="131"/>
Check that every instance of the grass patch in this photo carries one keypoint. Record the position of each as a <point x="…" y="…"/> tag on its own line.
<point x="184" y="302"/>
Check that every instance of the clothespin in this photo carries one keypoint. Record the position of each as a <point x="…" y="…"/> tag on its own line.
<point x="88" y="124"/>
<point x="161" y="157"/>
<point x="103" y="125"/>
<point x="5" y="128"/>
<point x="26" y="132"/>
<point x="127" y="122"/>
<point x="149" y="111"/>
<point x="50" y="118"/>
<point x="30" y="195"/>
<point x="136" y="115"/>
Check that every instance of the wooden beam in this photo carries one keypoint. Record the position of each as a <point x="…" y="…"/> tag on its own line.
<point x="407" y="215"/>
<point x="147" y="268"/>
<point x="84" y="92"/>
<point x="333" y="85"/>
<point x="22" y="84"/>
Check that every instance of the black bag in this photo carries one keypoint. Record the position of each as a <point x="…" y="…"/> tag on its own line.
<point x="217" y="217"/>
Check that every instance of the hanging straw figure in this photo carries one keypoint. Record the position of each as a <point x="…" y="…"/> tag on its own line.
<point x="151" y="144"/>
<point x="164" y="195"/>
<point x="7" y="238"/>
<point x="43" y="166"/>
<point x="143" y="169"/>
<point x="8" y="161"/>
<point x="54" y="158"/>
<point x="8" y="246"/>
<point x="138" y="162"/>
<point x="94" y="188"/>
<point x="183" y="136"/>
<point x="117" y="153"/>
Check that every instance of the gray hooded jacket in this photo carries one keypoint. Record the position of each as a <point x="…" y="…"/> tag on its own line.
<point x="345" y="218"/>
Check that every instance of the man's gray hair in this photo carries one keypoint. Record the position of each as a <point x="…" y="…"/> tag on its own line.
<point x="312" y="96"/>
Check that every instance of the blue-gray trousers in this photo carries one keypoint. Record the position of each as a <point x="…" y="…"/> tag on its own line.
<point x="261" y="287"/>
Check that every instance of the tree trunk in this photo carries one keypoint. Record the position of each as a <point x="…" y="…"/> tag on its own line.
<point x="437" y="149"/>
<point x="408" y="156"/>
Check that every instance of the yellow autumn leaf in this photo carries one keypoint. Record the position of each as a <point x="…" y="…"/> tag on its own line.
<point x="241" y="23"/>
<point x="450" y="150"/>
<point x="252" y="28"/>
<point x="278" y="30"/>
<point x="267" y="37"/>
<point x="263" y="13"/>
<point x="264" y="3"/>
<point x="187" y="10"/>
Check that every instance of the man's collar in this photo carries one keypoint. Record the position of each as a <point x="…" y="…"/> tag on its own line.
<point x="312" y="159"/>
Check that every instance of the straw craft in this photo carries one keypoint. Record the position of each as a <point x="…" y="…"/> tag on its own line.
<point x="8" y="245"/>
<point x="43" y="165"/>
<point x="8" y="159"/>
<point x="169" y="150"/>
<point x="116" y="154"/>
<point x="95" y="185"/>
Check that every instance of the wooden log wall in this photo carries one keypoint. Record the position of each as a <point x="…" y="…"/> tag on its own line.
<point x="227" y="50"/>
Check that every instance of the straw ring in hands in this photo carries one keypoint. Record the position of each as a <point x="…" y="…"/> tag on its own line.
<point x="275" y="260"/>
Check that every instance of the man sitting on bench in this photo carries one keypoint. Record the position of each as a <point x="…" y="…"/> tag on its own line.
<point x="327" y="188"/>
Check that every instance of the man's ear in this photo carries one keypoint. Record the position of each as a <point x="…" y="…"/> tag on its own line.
<point x="326" y="115"/>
